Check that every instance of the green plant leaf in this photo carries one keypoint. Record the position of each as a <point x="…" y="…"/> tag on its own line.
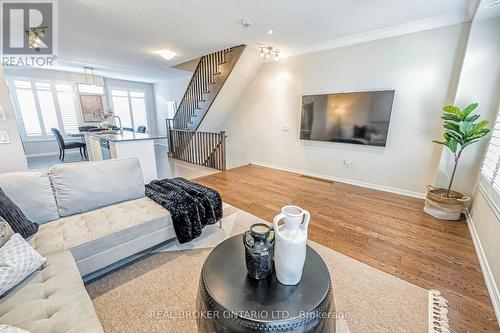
<point x="456" y="136"/>
<point x="451" y="127"/>
<point x="465" y="127"/>
<point x="453" y="110"/>
<point x="453" y="144"/>
<point x="480" y="125"/>
<point x="478" y="135"/>
<point x="460" y="129"/>
<point x="453" y="131"/>
<point x="472" y="118"/>
<point x="468" y="110"/>
<point x="450" y="116"/>
<point x="469" y="143"/>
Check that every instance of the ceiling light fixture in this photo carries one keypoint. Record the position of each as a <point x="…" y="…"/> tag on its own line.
<point x="246" y="22"/>
<point x="166" y="54"/>
<point x="89" y="72"/>
<point x="492" y="4"/>
<point x="35" y="36"/>
<point x="267" y="51"/>
<point x="270" y="31"/>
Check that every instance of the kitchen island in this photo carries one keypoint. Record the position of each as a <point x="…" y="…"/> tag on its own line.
<point x="116" y="144"/>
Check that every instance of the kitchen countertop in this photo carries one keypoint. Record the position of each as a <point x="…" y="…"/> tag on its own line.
<point x="125" y="136"/>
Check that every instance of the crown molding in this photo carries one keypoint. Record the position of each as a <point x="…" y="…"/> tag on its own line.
<point x="397" y="30"/>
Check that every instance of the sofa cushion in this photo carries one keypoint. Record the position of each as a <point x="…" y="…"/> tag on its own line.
<point x="93" y="236"/>
<point x="11" y="213"/>
<point x="82" y="187"/>
<point x="32" y="192"/>
<point x="11" y="329"/>
<point x="17" y="261"/>
<point x="54" y="300"/>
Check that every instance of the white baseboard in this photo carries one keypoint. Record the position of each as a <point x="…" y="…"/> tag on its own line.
<point x="384" y="188"/>
<point x="485" y="267"/>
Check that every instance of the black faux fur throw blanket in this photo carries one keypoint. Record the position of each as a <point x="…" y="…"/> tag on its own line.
<point x="192" y="206"/>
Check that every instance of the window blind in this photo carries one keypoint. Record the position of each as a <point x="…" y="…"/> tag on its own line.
<point x="490" y="169"/>
<point x="42" y="105"/>
<point x="130" y="106"/>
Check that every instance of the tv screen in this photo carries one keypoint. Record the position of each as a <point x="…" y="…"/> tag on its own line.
<point x="356" y="117"/>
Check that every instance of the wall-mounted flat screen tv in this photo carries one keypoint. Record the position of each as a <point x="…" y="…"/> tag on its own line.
<point x="355" y="117"/>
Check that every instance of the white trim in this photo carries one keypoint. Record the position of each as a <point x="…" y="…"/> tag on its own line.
<point x="486" y="195"/>
<point x="485" y="267"/>
<point x="397" y="30"/>
<point x="384" y="188"/>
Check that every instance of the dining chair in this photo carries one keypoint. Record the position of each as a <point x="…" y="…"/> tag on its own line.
<point x="63" y="145"/>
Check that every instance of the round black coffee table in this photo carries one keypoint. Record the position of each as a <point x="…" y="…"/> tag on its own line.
<point x="230" y="301"/>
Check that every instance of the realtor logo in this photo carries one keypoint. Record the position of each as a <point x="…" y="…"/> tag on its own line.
<point x="29" y="32"/>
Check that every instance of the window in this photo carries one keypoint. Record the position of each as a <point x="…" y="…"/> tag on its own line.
<point x="130" y="106"/>
<point x="42" y="105"/>
<point x="490" y="169"/>
<point x="90" y="89"/>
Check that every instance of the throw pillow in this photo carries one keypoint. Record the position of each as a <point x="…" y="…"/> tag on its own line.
<point x="15" y="217"/>
<point x="17" y="261"/>
<point x="5" y="232"/>
<point x="11" y="329"/>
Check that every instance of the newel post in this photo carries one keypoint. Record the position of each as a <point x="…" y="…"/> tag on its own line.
<point x="223" y="149"/>
<point x="169" y="137"/>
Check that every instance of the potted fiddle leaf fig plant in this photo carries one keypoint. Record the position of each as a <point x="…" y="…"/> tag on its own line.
<point x="461" y="129"/>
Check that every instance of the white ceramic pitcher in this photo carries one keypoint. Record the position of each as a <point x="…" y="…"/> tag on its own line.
<point x="290" y="244"/>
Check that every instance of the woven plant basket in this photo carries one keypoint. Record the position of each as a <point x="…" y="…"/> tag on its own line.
<point x="443" y="207"/>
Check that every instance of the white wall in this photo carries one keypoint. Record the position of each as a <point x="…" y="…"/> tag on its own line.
<point x="49" y="147"/>
<point x="479" y="82"/>
<point x="167" y="91"/>
<point x="485" y="231"/>
<point x="240" y="78"/>
<point x="12" y="154"/>
<point x="419" y="66"/>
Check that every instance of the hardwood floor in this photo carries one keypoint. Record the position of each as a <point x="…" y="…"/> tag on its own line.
<point x="387" y="231"/>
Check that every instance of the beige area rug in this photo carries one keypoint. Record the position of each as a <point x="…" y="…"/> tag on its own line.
<point x="156" y="293"/>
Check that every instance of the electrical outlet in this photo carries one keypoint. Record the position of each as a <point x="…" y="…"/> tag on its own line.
<point x="286" y="128"/>
<point x="3" y="116"/>
<point x="348" y="163"/>
<point x="4" y="137"/>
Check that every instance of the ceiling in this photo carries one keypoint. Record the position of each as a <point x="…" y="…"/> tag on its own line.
<point x="119" y="37"/>
<point x="487" y="12"/>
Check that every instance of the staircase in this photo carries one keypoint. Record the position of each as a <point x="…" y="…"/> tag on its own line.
<point x="184" y="141"/>
<point x="207" y="81"/>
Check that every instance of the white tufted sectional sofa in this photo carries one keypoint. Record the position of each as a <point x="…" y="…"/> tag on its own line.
<point x="91" y="215"/>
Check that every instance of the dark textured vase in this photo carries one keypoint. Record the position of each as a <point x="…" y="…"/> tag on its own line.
<point x="259" y="250"/>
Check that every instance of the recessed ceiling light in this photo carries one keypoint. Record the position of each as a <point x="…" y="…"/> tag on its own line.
<point x="270" y="31"/>
<point x="492" y="4"/>
<point x="166" y="54"/>
<point x="246" y="22"/>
